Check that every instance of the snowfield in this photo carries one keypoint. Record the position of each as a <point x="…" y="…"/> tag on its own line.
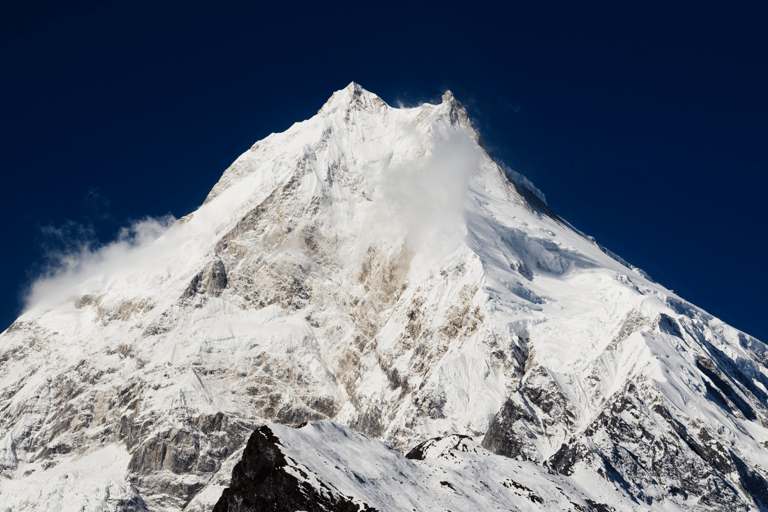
<point x="375" y="272"/>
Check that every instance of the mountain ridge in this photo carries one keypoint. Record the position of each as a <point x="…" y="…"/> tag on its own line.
<point x="378" y="268"/>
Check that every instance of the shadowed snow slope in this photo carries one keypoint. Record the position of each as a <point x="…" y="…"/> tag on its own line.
<point x="376" y="267"/>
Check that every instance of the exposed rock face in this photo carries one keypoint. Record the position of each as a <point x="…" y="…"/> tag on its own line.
<point x="261" y="482"/>
<point x="640" y="439"/>
<point x="376" y="267"/>
<point x="502" y="436"/>
<point x="210" y="281"/>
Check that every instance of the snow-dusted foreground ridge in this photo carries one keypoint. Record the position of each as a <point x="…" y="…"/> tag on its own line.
<point x="323" y="466"/>
<point x="376" y="267"/>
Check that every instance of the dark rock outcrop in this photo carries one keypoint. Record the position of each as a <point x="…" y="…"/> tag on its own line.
<point x="211" y="281"/>
<point x="260" y="483"/>
<point x="501" y="437"/>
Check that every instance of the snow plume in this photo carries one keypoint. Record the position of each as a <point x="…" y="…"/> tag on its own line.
<point x="522" y="180"/>
<point x="75" y="260"/>
<point x="70" y="237"/>
<point x="422" y="203"/>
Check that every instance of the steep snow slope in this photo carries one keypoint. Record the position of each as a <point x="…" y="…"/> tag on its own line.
<point x="376" y="267"/>
<point x="323" y="466"/>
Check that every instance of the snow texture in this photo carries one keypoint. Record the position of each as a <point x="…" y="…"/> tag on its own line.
<point x="451" y="473"/>
<point x="375" y="267"/>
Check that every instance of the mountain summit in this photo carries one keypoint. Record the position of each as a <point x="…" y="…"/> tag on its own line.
<point x="376" y="272"/>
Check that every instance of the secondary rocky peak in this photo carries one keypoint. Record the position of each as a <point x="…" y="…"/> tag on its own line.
<point x="458" y="114"/>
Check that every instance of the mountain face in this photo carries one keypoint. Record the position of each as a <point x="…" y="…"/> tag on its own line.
<point x="373" y="271"/>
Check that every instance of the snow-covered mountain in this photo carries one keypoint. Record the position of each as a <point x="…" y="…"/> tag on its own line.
<point x="375" y="267"/>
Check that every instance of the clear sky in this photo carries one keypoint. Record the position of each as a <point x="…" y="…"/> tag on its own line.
<point x="645" y="124"/>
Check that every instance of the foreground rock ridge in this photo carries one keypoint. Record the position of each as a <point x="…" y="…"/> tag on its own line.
<point x="326" y="467"/>
<point x="375" y="272"/>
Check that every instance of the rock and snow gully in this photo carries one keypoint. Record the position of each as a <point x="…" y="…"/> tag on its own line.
<point x="445" y="339"/>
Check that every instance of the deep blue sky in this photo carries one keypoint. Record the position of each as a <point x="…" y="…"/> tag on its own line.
<point x="645" y="124"/>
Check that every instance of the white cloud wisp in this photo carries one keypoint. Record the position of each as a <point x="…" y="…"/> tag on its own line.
<point x="80" y="267"/>
<point x="423" y="203"/>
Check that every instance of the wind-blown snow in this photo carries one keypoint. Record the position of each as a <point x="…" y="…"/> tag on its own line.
<point x="134" y="249"/>
<point x="374" y="266"/>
